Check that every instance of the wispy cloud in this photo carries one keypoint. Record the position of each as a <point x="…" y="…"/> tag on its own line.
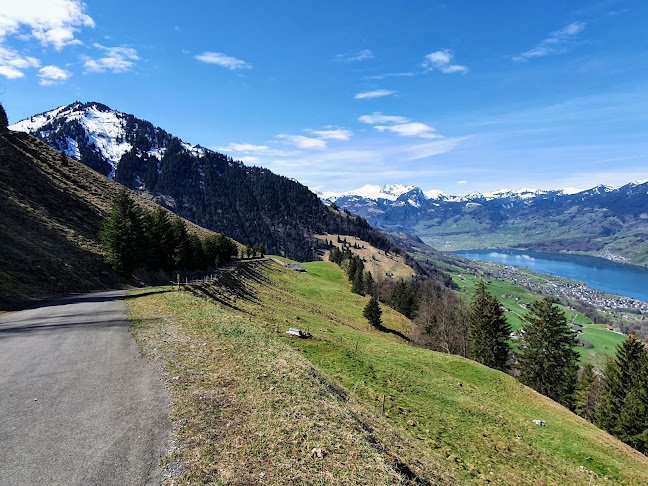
<point x="442" y="61"/>
<point x="116" y="59"/>
<point x="399" y="125"/>
<point x="558" y="42"/>
<point x="462" y="182"/>
<point x="12" y="63"/>
<point x="357" y="56"/>
<point x="429" y="149"/>
<point x="413" y="129"/>
<point x="336" y="134"/>
<point x="377" y="117"/>
<point x="243" y="147"/>
<point x="51" y="22"/>
<point x="50" y="75"/>
<point x="302" y="142"/>
<point x="378" y="93"/>
<point x="390" y="75"/>
<point x="223" y="60"/>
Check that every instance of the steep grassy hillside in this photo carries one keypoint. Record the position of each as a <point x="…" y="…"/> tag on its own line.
<point x="447" y="419"/>
<point x="51" y="208"/>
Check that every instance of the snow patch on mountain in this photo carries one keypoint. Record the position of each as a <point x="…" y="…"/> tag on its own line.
<point x="390" y="192"/>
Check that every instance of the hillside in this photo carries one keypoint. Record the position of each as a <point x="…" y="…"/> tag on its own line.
<point x="600" y="221"/>
<point x="50" y="218"/>
<point x="250" y="204"/>
<point x="274" y="401"/>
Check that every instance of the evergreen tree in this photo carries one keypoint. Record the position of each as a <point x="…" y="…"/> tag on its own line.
<point x="369" y="283"/>
<point x="623" y="409"/>
<point x="404" y="299"/>
<point x="162" y="240"/>
<point x="373" y="313"/>
<point x="4" y="121"/>
<point x="181" y="245"/>
<point x="586" y="394"/>
<point x="357" y="285"/>
<point x="121" y="235"/>
<point x="547" y="361"/>
<point x="489" y="330"/>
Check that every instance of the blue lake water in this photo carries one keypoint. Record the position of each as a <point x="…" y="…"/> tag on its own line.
<point x="597" y="273"/>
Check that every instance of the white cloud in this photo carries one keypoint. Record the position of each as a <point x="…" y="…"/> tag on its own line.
<point x="377" y="117"/>
<point x="12" y="63"/>
<point x="374" y="94"/>
<point x="50" y="75"/>
<point x="52" y="22"/>
<point x="442" y="61"/>
<point x="429" y="149"/>
<point x="303" y="142"/>
<point x="243" y="147"/>
<point x="222" y="60"/>
<point x="557" y="42"/>
<point x="413" y="129"/>
<point x="363" y="55"/>
<point x="389" y="75"/>
<point x="117" y="60"/>
<point x="462" y="182"/>
<point x="336" y="134"/>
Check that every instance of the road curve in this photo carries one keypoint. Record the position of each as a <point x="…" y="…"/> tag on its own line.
<point x="78" y="404"/>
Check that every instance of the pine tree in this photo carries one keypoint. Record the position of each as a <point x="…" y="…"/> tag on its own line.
<point x="163" y="241"/>
<point x="357" y="285"/>
<point x="121" y="235"/>
<point x="4" y="121"/>
<point x="489" y="330"/>
<point x="181" y="245"/>
<point x="369" y="283"/>
<point x="623" y="409"/>
<point x="548" y="362"/>
<point x="586" y="394"/>
<point x="373" y="313"/>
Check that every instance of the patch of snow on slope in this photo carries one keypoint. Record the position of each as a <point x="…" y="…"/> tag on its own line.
<point x="30" y="125"/>
<point x="72" y="149"/>
<point x="104" y="128"/>
<point x="435" y="194"/>
<point x="391" y="192"/>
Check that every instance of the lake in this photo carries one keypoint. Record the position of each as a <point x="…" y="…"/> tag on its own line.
<point x="597" y="273"/>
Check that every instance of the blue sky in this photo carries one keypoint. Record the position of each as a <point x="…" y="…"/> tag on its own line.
<point x="460" y="96"/>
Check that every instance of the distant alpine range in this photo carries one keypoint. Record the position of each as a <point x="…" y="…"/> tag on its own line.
<point x="604" y="221"/>
<point x="252" y="204"/>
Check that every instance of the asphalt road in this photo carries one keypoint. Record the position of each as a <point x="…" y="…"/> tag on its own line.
<point x="78" y="405"/>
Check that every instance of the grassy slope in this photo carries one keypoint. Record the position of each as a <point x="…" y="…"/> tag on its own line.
<point x="50" y="218"/>
<point x="475" y="421"/>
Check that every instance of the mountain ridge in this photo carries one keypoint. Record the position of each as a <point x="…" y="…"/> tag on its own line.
<point x="249" y="204"/>
<point x="601" y="221"/>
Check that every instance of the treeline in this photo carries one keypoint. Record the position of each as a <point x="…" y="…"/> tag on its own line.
<point x="546" y="361"/>
<point x="133" y="237"/>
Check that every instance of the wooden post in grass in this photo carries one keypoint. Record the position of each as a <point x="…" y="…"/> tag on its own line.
<point x="178" y="282"/>
<point x="383" y="404"/>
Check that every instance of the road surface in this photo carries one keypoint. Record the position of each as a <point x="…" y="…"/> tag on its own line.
<point x="78" y="405"/>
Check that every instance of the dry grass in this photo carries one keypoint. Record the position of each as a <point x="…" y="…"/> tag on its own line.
<point x="376" y="261"/>
<point x="249" y="409"/>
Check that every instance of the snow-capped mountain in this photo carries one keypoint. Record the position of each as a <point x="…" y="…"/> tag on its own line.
<point x="97" y="135"/>
<point x="565" y="219"/>
<point x="395" y="192"/>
